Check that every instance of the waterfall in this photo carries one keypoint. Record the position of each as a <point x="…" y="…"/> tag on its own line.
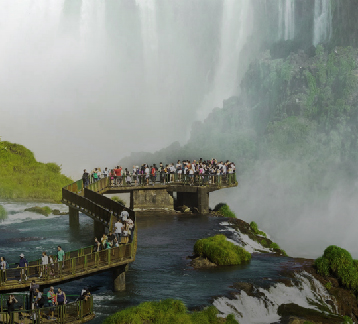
<point x="322" y="21"/>
<point x="236" y="28"/>
<point x="286" y="19"/>
<point x="92" y="22"/>
<point x="147" y="13"/>
<point x="262" y="307"/>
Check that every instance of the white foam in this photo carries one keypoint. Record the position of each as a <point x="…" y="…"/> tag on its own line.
<point x="263" y="309"/>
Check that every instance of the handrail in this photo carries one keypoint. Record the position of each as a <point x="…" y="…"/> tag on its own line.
<point x="70" y="312"/>
<point x="173" y="179"/>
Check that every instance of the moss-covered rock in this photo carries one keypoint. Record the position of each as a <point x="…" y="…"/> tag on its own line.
<point x="222" y="209"/>
<point x="40" y="210"/>
<point x="220" y="251"/>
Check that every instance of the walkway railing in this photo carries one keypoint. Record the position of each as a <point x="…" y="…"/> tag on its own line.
<point x="215" y="180"/>
<point x="76" y="263"/>
<point x="77" y="311"/>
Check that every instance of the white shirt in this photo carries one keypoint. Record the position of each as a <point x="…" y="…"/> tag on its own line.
<point x="118" y="227"/>
<point x="44" y="260"/>
<point x="124" y="214"/>
<point x="3" y="265"/>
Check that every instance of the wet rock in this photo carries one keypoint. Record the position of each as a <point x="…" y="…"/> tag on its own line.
<point x="248" y="288"/>
<point x="40" y="210"/>
<point x="58" y="212"/>
<point x="201" y="262"/>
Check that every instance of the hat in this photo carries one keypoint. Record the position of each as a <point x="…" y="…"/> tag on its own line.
<point x="21" y="255"/>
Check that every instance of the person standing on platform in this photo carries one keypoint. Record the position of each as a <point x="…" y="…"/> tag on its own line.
<point x="61" y="297"/>
<point x="23" y="265"/>
<point x="11" y="307"/>
<point x="118" y="230"/>
<point x="85" y="178"/>
<point x="60" y="257"/>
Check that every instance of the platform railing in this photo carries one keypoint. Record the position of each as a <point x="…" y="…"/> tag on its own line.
<point x="75" y="311"/>
<point x="76" y="263"/>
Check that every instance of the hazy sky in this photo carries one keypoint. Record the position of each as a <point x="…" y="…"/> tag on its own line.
<point x="85" y="82"/>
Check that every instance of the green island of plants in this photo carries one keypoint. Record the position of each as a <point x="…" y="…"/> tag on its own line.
<point x="167" y="311"/>
<point x="220" y="251"/>
<point x="118" y="200"/>
<point x="40" y="210"/>
<point x="339" y="263"/>
<point x="224" y="210"/>
<point x="22" y="177"/>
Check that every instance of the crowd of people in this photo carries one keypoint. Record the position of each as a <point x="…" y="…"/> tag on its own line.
<point x="204" y="170"/>
<point x="123" y="232"/>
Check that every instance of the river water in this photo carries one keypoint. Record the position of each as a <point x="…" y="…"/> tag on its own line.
<point x="161" y="269"/>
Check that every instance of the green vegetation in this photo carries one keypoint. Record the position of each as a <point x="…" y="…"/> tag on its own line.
<point x="119" y="200"/>
<point x="220" y="251"/>
<point x="167" y="311"/>
<point x="224" y="210"/>
<point x="3" y="213"/>
<point x="40" y="210"/>
<point x="256" y="230"/>
<point x="328" y="285"/>
<point x="22" y="177"/>
<point x="339" y="263"/>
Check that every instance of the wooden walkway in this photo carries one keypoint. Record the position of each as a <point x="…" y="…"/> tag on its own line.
<point x="82" y="262"/>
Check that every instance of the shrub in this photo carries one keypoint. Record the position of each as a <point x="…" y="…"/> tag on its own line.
<point x="3" y="213"/>
<point x="339" y="263"/>
<point x="166" y="311"/>
<point x="220" y="251"/>
<point x="264" y="243"/>
<point x="328" y="285"/>
<point x="119" y="200"/>
<point x="274" y="246"/>
<point x="224" y="210"/>
<point x="256" y="230"/>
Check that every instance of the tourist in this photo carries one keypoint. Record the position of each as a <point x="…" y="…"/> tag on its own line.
<point x="113" y="177"/>
<point x="104" y="240"/>
<point x="32" y="289"/>
<point x="60" y="257"/>
<point x="51" y="265"/>
<point x="85" y="178"/>
<point x="23" y="265"/>
<point x="61" y="297"/>
<point x="3" y="267"/>
<point x="134" y="175"/>
<point x="115" y="242"/>
<point x="40" y="298"/>
<point x="105" y="173"/>
<point x="128" y="178"/>
<point x="99" y="174"/>
<point x="117" y="172"/>
<point x="44" y="263"/>
<point x="51" y="300"/>
<point x="147" y="173"/>
<point x="11" y="307"/>
<point x="95" y="175"/>
<point x="124" y="215"/>
<point x="118" y="230"/>
<point x="97" y="245"/>
<point x="179" y="170"/>
<point x="153" y="173"/>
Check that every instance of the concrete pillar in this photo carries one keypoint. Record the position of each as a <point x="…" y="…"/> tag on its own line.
<point x="203" y="200"/>
<point x="119" y="277"/>
<point x="151" y="200"/>
<point x="74" y="218"/>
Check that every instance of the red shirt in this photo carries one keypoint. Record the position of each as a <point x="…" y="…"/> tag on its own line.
<point x="117" y="172"/>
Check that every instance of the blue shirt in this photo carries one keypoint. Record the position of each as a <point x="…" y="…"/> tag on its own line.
<point x="22" y="262"/>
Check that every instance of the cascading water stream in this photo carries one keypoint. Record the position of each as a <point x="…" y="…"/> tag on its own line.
<point x="237" y="25"/>
<point x="322" y="21"/>
<point x="286" y="19"/>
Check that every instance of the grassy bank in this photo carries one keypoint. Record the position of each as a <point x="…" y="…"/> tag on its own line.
<point x="22" y="177"/>
<point x="220" y="251"/>
<point x="167" y="311"/>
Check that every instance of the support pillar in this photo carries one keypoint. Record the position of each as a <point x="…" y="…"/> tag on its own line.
<point x="74" y="218"/>
<point x="119" y="277"/>
<point x="203" y="200"/>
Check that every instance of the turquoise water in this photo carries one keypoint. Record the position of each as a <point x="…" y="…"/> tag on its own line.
<point x="161" y="269"/>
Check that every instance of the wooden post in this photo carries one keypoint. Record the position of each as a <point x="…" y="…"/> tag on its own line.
<point x="74" y="218"/>
<point x="119" y="277"/>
